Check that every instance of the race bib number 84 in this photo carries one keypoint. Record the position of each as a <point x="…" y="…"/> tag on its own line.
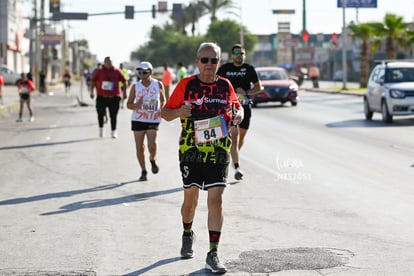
<point x="210" y="129"/>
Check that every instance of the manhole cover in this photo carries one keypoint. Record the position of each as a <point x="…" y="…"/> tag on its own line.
<point x="301" y="258"/>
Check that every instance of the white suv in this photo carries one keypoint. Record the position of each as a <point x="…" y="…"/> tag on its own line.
<point x="390" y="90"/>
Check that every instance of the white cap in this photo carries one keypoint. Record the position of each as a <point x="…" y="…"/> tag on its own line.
<point x="144" y="65"/>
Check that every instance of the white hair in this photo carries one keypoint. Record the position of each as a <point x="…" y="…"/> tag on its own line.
<point x="209" y="45"/>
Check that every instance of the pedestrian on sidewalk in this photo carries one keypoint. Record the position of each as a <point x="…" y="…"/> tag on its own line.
<point x="1" y="88"/>
<point x="25" y="88"/>
<point x="245" y="81"/>
<point x="126" y="75"/>
<point x="167" y="80"/>
<point x="181" y="71"/>
<point x="67" y="77"/>
<point x="106" y="81"/>
<point x="205" y="104"/>
<point x="146" y="98"/>
<point x="314" y="75"/>
<point x="42" y="82"/>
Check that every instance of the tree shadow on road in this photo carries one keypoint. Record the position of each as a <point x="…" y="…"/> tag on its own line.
<point x="87" y="204"/>
<point x="22" y="200"/>
<point x="48" y="144"/>
<point x="401" y="122"/>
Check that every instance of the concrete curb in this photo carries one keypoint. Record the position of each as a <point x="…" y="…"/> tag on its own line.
<point x="11" y="98"/>
<point x="344" y="92"/>
<point x="9" y="108"/>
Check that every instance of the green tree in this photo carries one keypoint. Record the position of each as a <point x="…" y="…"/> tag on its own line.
<point x="226" y="33"/>
<point x="365" y="33"/>
<point x="166" y="45"/>
<point x="191" y="13"/>
<point x="393" y="30"/>
<point x="171" y="44"/>
<point x="213" y="6"/>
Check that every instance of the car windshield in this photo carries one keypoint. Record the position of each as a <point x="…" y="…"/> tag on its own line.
<point x="273" y="75"/>
<point x="399" y="75"/>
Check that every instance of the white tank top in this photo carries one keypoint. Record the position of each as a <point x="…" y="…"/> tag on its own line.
<point x="150" y="110"/>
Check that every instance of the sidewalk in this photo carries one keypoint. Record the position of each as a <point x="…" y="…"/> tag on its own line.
<point x="327" y="87"/>
<point x="11" y="98"/>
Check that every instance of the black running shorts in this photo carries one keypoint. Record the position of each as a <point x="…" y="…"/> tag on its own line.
<point x="247" y="115"/>
<point x="24" y="96"/>
<point x="203" y="175"/>
<point x="137" y="126"/>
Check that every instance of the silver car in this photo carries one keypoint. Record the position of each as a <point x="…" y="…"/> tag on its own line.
<point x="9" y="76"/>
<point x="390" y="90"/>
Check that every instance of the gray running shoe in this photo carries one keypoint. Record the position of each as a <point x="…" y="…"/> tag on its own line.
<point x="239" y="174"/>
<point x="187" y="246"/>
<point x="213" y="263"/>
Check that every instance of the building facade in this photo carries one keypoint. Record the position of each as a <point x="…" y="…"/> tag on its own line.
<point x="13" y="43"/>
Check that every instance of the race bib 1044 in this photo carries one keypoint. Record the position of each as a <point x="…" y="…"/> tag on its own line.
<point x="210" y="129"/>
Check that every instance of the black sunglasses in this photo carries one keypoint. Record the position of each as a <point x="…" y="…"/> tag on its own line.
<point x="143" y="72"/>
<point x="204" y="60"/>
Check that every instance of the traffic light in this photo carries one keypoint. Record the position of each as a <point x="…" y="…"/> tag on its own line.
<point x="305" y="36"/>
<point x="54" y="6"/>
<point x="154" y="11"/>
<point x="129" y="12"/>
<point x="334" y="43"/>
<point x="177" y="11"/>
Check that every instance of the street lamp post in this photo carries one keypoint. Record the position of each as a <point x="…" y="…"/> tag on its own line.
<point x="303" y="16"/>
<point x="344" y="68"/>
<point x="241" y="25"/>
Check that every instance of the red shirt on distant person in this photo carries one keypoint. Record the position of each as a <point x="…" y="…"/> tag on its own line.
<point x="25" y="86"/>
<point x="107" y="81"/>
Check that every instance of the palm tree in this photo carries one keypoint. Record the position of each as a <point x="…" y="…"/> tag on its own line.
<point x="393" y="30"/>
<point x="365" y="33"/>
<point x="194" y="11"/>
<point x="188" y="15"/>
<point x="180" y="22"/>
<point x="213" y="6"/>
<point x="410" y="41"/>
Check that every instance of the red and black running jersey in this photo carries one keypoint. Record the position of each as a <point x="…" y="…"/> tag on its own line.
<point x="208" y="101"/>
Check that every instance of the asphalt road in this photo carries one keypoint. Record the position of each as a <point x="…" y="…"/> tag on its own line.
<point x="325" y="192"/>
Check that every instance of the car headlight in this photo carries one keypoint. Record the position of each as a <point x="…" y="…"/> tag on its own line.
<point x="293" y="87"/>
<point x="397" y="94"/>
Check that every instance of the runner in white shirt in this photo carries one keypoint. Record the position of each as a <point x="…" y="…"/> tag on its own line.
<point x="146" y="98"/>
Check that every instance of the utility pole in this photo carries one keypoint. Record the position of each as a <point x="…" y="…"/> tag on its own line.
<point x="344" y="68"/>
<point x="303" y="15"/>
<point x="37" y="47"/>
<point x="32" y="45"/>
<point x="44" y="50"/>
<point x="241" y="25"/>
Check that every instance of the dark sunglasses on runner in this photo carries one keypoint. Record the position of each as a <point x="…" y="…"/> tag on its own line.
<point x="236" y="53"/>
<point x="143" y="72"/>
<point x="204" y="60"/>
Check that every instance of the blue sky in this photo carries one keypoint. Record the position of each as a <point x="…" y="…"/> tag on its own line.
<point x="115" y="36"/>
